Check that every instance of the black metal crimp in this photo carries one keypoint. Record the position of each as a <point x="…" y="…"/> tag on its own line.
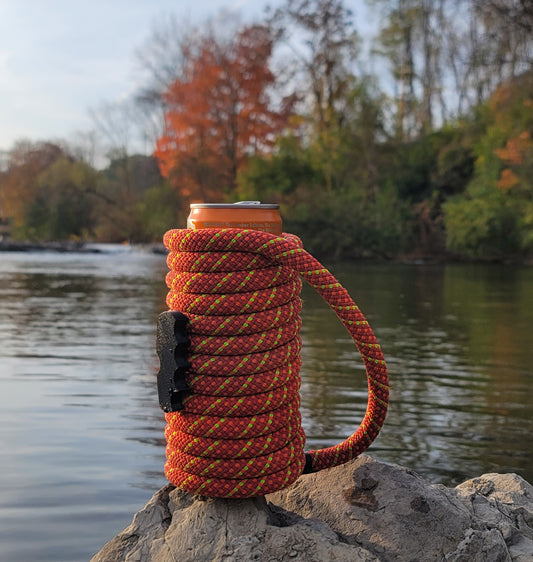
<point x="172" y="348"/>
<point x="308" y="468"/>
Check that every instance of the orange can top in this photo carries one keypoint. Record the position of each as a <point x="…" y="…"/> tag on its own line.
<point x="250" y="215"/>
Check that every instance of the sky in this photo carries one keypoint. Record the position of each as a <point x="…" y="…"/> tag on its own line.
<point x="59" y="58"/>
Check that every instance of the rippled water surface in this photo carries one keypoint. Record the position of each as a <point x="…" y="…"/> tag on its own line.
<point x="81" y="432"/>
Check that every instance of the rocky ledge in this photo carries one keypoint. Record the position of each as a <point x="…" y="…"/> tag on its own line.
<point x="364" y="510"/>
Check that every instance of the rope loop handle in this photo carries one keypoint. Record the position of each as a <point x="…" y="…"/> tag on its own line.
<point x="239" y="291"/>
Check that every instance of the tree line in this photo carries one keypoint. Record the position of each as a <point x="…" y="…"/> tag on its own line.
<point x="427" y="153"/>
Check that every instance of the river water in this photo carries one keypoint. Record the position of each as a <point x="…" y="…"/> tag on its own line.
<point x="81" y="432"/>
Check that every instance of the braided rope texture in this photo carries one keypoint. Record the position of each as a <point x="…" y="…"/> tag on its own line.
<point x="239" y="433"/>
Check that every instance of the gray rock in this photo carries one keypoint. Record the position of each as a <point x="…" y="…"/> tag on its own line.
<point x="504" y="502"/>
<point x="176" y="526"/>
<point x="364" y="510"/>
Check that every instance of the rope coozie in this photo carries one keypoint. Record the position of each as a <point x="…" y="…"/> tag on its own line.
<point x="232" y="402"/>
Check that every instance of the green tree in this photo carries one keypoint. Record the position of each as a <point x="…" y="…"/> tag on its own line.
<point x="351" y="225"/>
<point x="494" y="217"/>
<point x="18" y="182"/>
<point x="121" y="191"/>
<point x="483" y="227"/>
<point x="63" y="205"/>
<point x="161" y="209"/>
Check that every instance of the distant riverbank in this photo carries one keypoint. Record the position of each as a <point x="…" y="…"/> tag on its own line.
<point x="80" y="247"/>
<point x="106" y="248"/>
<point x="13" y="246"/>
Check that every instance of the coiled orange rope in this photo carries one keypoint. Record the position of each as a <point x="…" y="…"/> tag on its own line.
<point x="239" y="433"/>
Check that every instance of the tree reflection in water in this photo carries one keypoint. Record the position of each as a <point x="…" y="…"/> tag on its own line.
<point x="80" y="423"/>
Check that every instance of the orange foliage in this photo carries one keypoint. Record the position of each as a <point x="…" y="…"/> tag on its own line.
<point x="220" y="112"/>
<point x="501" y="96"/>
<point x="507" y="180"/>
<point x="516" y="147"/>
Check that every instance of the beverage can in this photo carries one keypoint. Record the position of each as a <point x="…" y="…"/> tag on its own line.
<point x="251" y="215"/>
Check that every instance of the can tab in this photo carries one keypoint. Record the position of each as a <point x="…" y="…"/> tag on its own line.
<point x="172" y="348"/>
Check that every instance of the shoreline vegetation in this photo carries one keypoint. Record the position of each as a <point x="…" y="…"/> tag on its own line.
<point x="438" y="166"/>
<point x="62" y="247"/>
<point x="69" y="247"/>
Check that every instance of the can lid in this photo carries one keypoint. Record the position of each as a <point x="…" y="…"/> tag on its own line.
<point x="240" y="204"/>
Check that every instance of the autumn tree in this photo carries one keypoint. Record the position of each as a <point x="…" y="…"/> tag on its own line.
<point x="487" y="42"/>
<point x="322" y="38"/>
<point x="319" y="43"/>
<point x="419" y="39"/>
<point x="494" y="216"/>
<point x="509" y="25"/>
<point x="18" y="181"/>
<point x="220" y="112"/>
<point x="447" y="56"/>
<point x="47" y="194"/>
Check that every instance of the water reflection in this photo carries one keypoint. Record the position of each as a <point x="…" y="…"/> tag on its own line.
<point x="79" y="423"/>
<point x="456" y="340"/>
<point x="82" y="432"/>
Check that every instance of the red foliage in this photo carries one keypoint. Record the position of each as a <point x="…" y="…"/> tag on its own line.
<point x="220" y="112"/>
